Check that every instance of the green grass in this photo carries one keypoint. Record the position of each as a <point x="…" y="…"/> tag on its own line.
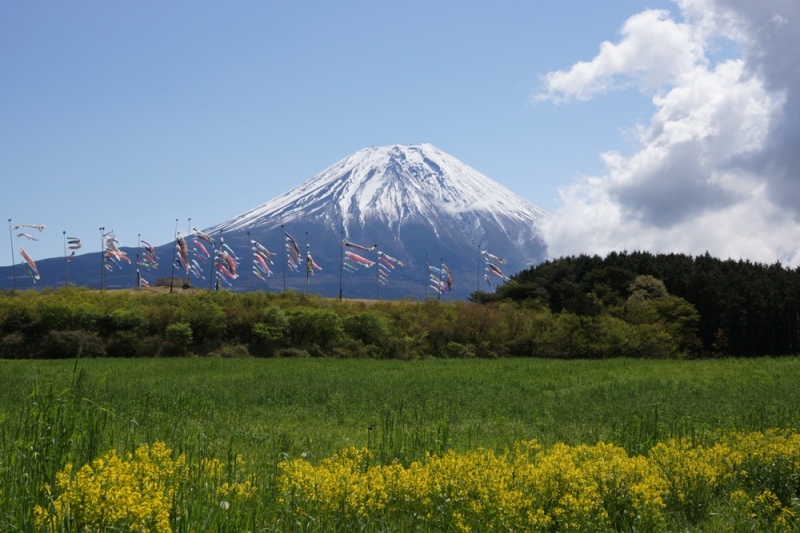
<point x="319" y="406"/>
<point x="54" y="412"/>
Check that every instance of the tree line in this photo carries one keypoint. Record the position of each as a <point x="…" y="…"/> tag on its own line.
<point x="70" y="322"/>
<point x="744" y="308"/>
<point x="624" y="305"/>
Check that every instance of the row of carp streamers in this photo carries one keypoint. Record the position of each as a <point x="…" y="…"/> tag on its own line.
<point x="441" y="278"/>
<point x="385" y="263"/>
<point x="30" y="265"/>
<point x="292" y="253"/>
<point x="492" y="268"/>
<point x="262" y="259"/>
<point x="227" y="262"/>
<point x="193" y="263"/>
<point x="112" y="254"/>
<point x="74" y="244"/>
<point x="148" y="260"/>
<point x="293" y="258"/>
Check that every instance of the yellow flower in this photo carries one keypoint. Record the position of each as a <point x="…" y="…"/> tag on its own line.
<point x="134" y="493"/>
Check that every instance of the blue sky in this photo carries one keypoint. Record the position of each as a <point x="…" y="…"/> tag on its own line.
<point x="130" y="115"/>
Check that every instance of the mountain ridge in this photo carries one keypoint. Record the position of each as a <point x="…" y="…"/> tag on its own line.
<point x="380" y="182"/>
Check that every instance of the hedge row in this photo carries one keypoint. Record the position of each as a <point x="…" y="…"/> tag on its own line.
<point x="65" y="322"/>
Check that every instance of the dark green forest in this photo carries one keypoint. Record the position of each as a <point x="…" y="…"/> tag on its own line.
<point x="745" y="308"/>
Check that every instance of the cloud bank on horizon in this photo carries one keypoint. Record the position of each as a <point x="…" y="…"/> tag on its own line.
<point x="717" y="168"/>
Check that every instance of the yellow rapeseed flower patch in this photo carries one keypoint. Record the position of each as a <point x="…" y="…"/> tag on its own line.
<point x="564" y="488"/>
<point x="743" y="481"/>
<point x="133" y="493"/>
<point x="144" y="491"/>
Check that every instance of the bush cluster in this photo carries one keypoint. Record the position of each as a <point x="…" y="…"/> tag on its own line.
<point x="67" y="322"/>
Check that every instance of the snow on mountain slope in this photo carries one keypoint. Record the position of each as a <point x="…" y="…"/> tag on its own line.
<point x="394" y="185"/>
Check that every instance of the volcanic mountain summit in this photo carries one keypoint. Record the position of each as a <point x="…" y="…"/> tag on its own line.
<point x="413" y="201"/>
<point x="393" y="186"/>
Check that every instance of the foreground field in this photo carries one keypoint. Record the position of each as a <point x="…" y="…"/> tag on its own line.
<point x="252" y="425"/>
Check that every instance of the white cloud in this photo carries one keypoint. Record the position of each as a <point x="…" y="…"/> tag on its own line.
<point x="593" y="222"/>
<point x="654" y="50"/>
<point x="717" y="168"/>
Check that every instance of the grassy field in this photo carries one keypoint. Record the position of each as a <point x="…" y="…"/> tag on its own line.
<point x="268" y="410"/>
<point x="320" y="406"/>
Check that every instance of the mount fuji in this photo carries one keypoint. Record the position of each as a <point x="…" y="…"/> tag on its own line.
<point x="414" y="203"/>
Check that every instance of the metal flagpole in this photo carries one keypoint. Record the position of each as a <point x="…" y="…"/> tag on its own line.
<point x="212" y="260"/>
<point x="377" y="272"/>
<point x="219" y="263"/>
<point x="341" y="263"/>
<point x="441" y="271"/>
<point x="64" y="234"/>
<point x="102" y="255"/>
<point x="427" y="275"/>
<point x="174" y="249"/>
<point x="478" y="283"/>
<point x="283" y="252"/>
<point x="13" y="259"/>
<point x="138" y="273"/>
<point x="308" y="262"/>
<point x="186" y="240"/>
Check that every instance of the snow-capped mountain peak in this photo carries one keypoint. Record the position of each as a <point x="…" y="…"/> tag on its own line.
<point x="391" y="185"/>
<point x="415" y="203"/>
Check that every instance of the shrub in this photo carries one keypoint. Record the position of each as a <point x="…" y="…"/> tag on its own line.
<point x="566" y="335"/>
<point x="151" y="346"/>
<point x="207" y="321"/>
<point x="124" y="344"/>
<point x="70" y="344"/>
<point x="349" y="348"/>
<point x="13" y="346"/>
<point x="270" y="333"/>
<point x="230" y="351"/>
<point x="125" y="319"/>
<point x="462" y="351"/>
<point x="54" y="315"/>
<point x="292" y="352"/>
<point x="368" y="327"/>
<point x="179" y="336"/>
<point x="308" y="327"/>
<point x="405" y="347"/>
